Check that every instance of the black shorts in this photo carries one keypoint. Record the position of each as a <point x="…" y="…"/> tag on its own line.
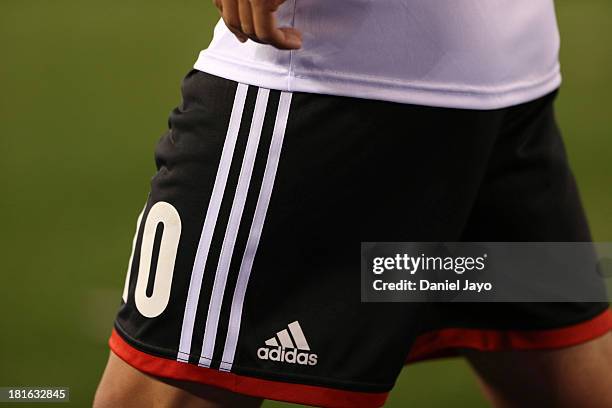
<point x="245" y="269"/>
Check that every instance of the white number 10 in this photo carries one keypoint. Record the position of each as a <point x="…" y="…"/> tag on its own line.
<point x="164" y="213"/>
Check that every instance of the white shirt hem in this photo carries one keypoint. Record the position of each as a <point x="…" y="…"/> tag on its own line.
<point x="332" y="83"/>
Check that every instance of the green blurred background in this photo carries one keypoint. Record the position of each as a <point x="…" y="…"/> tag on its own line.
<point x="85" y="90"/>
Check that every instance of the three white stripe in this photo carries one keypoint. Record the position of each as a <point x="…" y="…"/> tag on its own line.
<point x="210" y="221"/>
<point x="231" y="233"/>
<point x="214" y="307"/>
<point x="259" y="218"/>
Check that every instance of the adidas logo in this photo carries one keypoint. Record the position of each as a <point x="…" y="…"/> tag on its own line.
<point x="289" y="346"/>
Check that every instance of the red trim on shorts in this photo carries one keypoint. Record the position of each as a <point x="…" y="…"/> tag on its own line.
<point x="276" y="390"/>
<point x="445" y="342"/>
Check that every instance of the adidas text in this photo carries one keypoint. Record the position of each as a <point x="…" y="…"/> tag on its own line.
<point x="292" y="356"/>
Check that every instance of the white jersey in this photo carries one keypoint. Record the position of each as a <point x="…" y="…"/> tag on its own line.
<point x="476" y="54"/>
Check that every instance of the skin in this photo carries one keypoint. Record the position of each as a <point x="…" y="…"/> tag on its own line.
<point x="577" y="376"/>
<point x="122" y="386"/>
<point x="255" y="20"/>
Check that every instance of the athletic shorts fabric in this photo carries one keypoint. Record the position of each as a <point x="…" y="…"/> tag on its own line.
<point x="245" y="265"/>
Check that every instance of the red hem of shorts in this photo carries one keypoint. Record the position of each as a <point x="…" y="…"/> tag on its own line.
<point x="276" y="390"/>
<point x="445" y="342"/>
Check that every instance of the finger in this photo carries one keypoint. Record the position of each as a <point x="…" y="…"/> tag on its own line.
<point x="273" y="5"/>
<point x="219" y="5"/>
<point x="291" y="36"/>
<point x="266" y="29"/>
<point x="231" y="18"/>
<point x="246" y="18"/>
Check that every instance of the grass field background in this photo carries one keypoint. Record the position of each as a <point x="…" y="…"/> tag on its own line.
<point x="86" y="87"/>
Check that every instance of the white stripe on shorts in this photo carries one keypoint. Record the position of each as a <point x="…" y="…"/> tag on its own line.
<point x="210" y="222"/>
<point x="255" y="232"/>
<point x="231" y="232"/>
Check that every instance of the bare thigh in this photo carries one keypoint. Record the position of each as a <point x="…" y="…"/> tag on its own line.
<point x="577" y="376"/>
<point x="124" y="386"/>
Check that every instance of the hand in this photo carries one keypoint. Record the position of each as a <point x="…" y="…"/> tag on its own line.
<point x="255" y="19"/>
